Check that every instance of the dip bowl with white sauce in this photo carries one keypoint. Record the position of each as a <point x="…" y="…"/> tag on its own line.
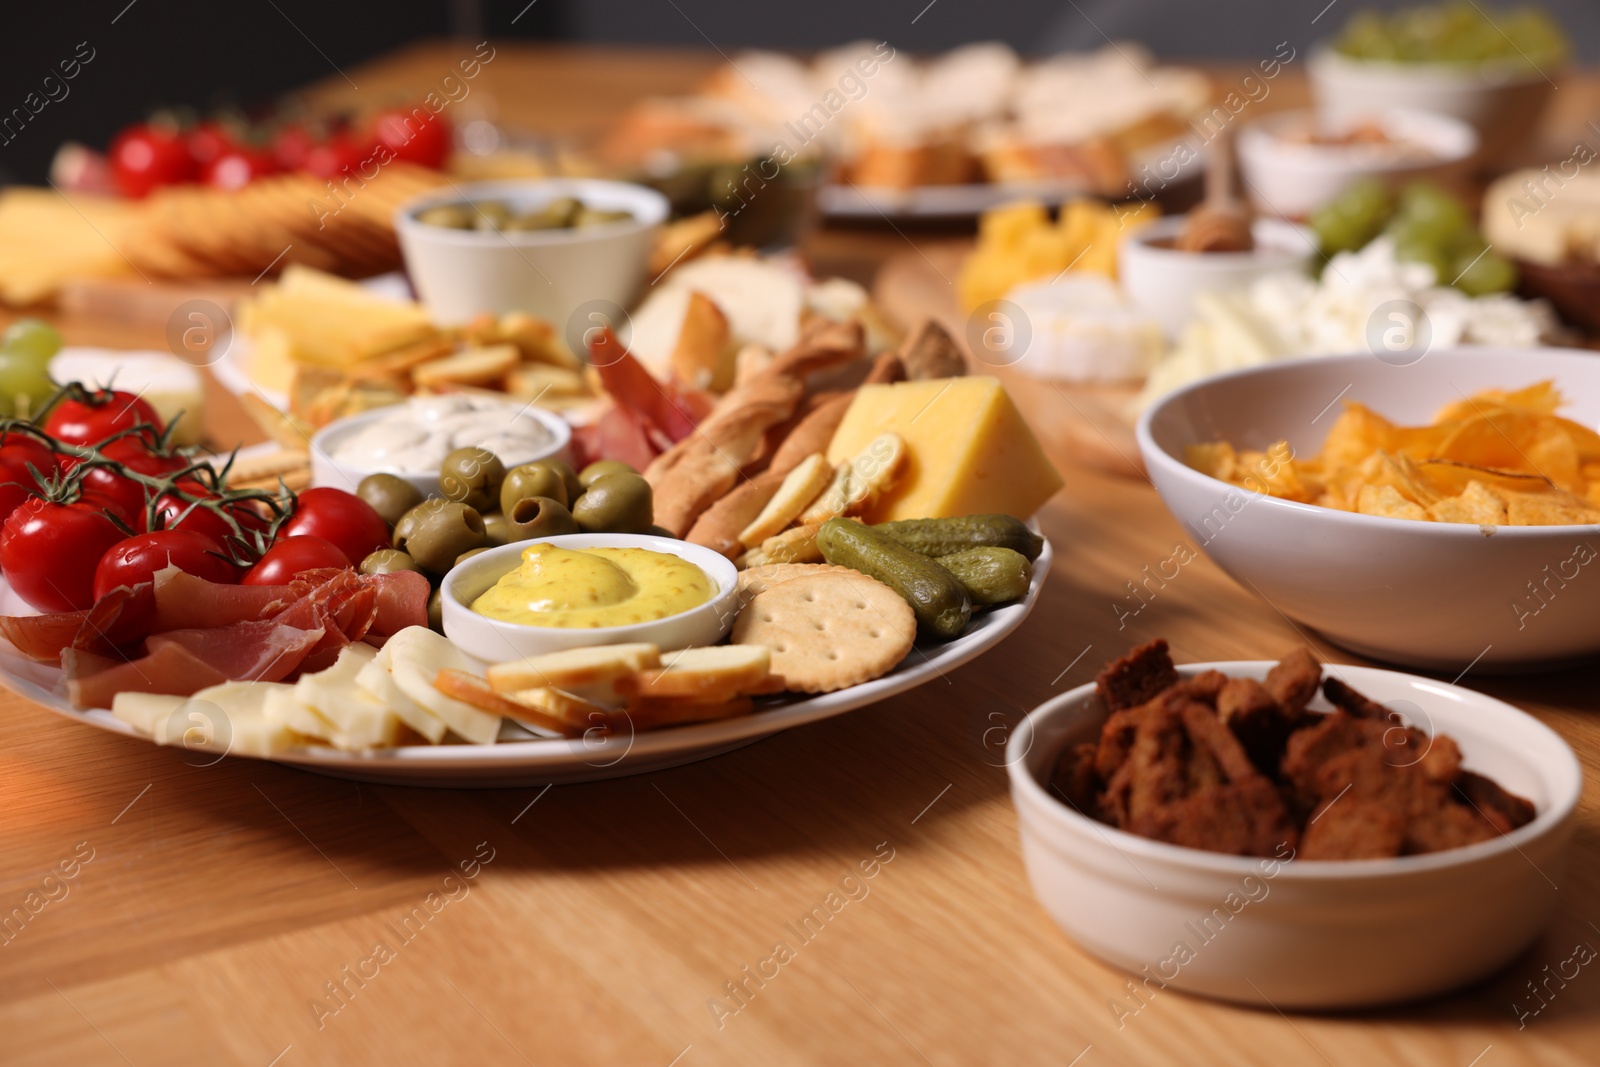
<point x="497" y="640"/>
<point x="410" y="440"/>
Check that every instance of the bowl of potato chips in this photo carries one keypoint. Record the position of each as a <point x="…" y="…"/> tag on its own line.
<point x="1441" y="513"/>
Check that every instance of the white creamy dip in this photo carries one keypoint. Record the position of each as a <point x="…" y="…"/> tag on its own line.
<point x="414" y="437"/>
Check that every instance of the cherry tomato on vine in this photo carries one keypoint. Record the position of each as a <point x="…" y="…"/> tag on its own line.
<point x="333" y="157"/>
<point x="98" y="416"/>
<point x="17" y="482"/>
<point x="112" y="492"/>
<point x="207" y="142"/>
<point x="291" y="555"/>
<point x="342" y="518"/>
<point x="414" y="136"/>
<point x="46" y="551"/>
<point x="237" y="167"/>
<point x="136" y="559"/>
<point x="144" y="157"/>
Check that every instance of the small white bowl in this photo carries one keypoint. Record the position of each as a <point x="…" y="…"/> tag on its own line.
<point x="326" y="470"/>
<point x="1437" y="595"/>
<point x="460" y="274"/>
<point x="1163" y="282"/>
<point x="1303" y="934"/>
<point x="1292" y="178"/>
<point x="497" y="641"/>
<point x="1501" y="101"/>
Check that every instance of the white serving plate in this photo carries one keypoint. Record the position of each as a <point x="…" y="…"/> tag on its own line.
<point x="848" y="200"/>
<point x="527" y="760"/>
<point x="1305" y="934"/>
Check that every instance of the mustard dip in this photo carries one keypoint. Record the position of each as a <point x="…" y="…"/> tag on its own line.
<point x="581" y="589"/>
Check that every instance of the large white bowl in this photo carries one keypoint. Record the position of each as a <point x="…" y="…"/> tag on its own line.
<point x="1501" y="101"/>
<point x="1303" y="933"/>
<point x="460" y="274"/>
<point x="1293" y="179"/>
<point x="1437" y="595"/>
<point x="497" y="641"/>
<point x="326" y="470"/>
<point x="1163" y="282"/>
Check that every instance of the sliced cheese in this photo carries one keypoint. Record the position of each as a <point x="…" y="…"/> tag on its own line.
<point x="375" y="680"/>
<point x="230" y="717"/>
<point x="356" y="719"/>
<point x="969" y="452"/>
<point x="415" y="656"/>
<point x="282" y="706"/>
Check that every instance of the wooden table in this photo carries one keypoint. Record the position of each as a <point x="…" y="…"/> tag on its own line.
<point x="246" y="913"/>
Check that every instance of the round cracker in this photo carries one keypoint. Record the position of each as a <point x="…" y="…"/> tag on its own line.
<point x="759" y="579"/>
<point x="830" y="630"/>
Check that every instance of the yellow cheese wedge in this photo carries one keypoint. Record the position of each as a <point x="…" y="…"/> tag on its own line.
<point x="968" y="450"/>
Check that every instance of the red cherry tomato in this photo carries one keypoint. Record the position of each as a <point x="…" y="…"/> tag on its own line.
<point x="136" y="559"/>
<point x="237" y="167"/>
<point x="110" y="491"/>
<point x="333" y="157"/>
<point x="290" y="146"/>
<point x="48" y="552"/>
<point x="342" y="518"/>
<point x="144" y="157"/>
<point x="176" y="514"/>
<point x="207" y="142"/>
<point x="99" y="416"/>
<point x="17" y="482"/>
<point x="290" y="556"/>
<point x="414" y="135"/>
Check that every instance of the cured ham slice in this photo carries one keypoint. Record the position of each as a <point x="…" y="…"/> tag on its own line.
<point x="172" y="669"/>
<point x="261" y="650"/>
<point x="402" y="601"/>
<point x="120" y="617"/>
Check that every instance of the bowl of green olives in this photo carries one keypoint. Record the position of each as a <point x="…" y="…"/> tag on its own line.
<point x="542" y="246"/>
<point x="497" y="641"/>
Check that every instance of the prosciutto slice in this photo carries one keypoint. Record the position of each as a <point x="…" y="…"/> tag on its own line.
<point x="172" y="668"/>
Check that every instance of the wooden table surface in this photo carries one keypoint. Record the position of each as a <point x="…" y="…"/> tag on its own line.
<point x="246" y="913"/>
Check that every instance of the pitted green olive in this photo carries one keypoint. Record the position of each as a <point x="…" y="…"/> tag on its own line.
<point x="615" y="503"/>
<point x="469" y="553"/>
<point x="408" y="522"/>
<point x="533" y="479"/>
<point x="436" y="611"/>
<point x="390" y="495"/>
<point x="472" y="476"/>
<point x="441" y="534"/>
<point x="540" y="516"/>
<point x="600" y="468"/>
<point x="387" y="561"/>
<point x="498" y="528"/>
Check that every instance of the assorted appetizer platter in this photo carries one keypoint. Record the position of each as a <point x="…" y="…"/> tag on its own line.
<point x="453" y="600"/>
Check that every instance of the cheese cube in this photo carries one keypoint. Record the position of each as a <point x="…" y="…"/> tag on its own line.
<point x="969" y="452"/>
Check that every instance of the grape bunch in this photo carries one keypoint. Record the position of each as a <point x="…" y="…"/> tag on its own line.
<point x="1427" y="224"/>
<point x="26" y="349"/>
<point x="1460" y="32"/>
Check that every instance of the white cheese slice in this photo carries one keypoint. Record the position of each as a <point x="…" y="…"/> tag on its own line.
<point x="282" y="706"/>
<point x="359" y="720"/>
<point x="230" y="717"/>
<point x="375" y="680"/>
<point x="415" y="657"/>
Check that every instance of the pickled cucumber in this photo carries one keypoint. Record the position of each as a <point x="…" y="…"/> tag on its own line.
<point x="937" y="597"/>
<point x="941" y="537"/>
<point x="991" y="575"/>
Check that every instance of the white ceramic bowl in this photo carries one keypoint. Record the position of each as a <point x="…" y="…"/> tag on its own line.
<point x="326" y="470"/>
<point x="548" y="273"/>
<point x="1163" y="282"/>
<point x="1426" y="594"/>
<point x="1300" y="933"/>
<point x="1501" y="101"/>
<point x="496" y="641"/>
<point x="1291" y="178"/>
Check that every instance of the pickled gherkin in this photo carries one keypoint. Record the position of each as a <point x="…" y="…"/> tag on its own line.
<point x="942" y="537"/>
<point x="936" y="596"/>
<point x="991" y="575"/>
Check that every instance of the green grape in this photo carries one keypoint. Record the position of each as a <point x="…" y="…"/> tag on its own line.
<point x="1427" y="202"/>
<point x="1414" y="251"/>
<point x="24" y="385"/>
<point x="32" y="339"/>
<point x="1369" y="202"/>
<point x="1489" y="273"/>
<point x="1335" y="231"/>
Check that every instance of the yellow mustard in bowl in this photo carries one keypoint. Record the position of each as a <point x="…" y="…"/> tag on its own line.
<point x="589" y="588"/>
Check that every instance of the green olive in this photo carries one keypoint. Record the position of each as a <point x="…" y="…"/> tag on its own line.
<point x="533" y="479"/>
<point x="387" y="561"/>
<point x="540" y="516"/>
<point x="455" y="216"/>
<point x="489" y="215"/>
<point x="615" y="503"/>
<point x="436" y="611"/>
<point x="409" y="521"/>
<point x="570" y="476"/>
<point x="443" y="533"/>
<point x="600" y="468"/>
<point x="469" y="553"/>
<point x="472" y="476"/>
<point x="390" y="495"/>
<point x="590" y="216"/>
<point x="497" y="527"/>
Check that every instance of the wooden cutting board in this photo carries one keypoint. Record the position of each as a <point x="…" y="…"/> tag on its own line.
<point x="1085" y="422"/>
